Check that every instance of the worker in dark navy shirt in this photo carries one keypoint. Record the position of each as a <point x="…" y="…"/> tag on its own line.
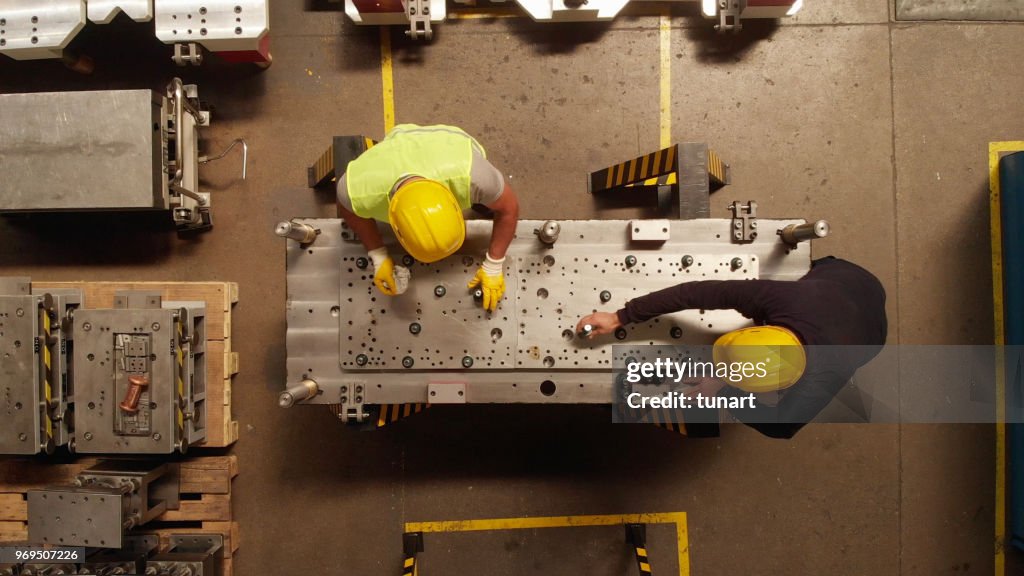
<point x="835" y="314"/>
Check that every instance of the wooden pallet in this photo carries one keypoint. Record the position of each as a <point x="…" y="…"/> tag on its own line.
<point x="205" y="507"/>
<point x="221" y="362"/>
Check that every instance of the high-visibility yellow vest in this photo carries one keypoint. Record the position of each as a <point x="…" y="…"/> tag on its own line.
<point x="441" y="153"/>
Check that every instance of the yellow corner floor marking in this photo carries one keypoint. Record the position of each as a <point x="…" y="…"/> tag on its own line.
<point x="387" y="79"/>
<point x="996" y="226"/>
<point x="665" y="67"/>
<point x="677" y="518"/>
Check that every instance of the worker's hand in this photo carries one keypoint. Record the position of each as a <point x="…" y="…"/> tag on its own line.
<point x="491" y="280"/>
<point x="707" y="387"/>
<point x="600" y="323"/>
<point x="389" y="279"/>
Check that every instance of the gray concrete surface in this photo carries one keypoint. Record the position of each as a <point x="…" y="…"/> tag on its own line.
<point x="996" y="10"/>
<point x="840" y="113"/>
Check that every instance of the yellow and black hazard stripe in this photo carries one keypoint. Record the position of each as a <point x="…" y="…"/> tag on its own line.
<point x="664" y="180"/>
<point x="639" y="169"/>
<point x="409" y="566"/>
<point x="671" y="420"/>
<point x="45" y="342"/>
<point x="636" y="536"/>
<point x="391" y="413"/>
<point x="412" y="544"/>
<point x="181" y="373"/>
<point x="641" y="560"/>
<point x="323" y="169"/>
<point x="717" y="169"/>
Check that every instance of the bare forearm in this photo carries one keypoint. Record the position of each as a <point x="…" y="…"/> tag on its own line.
<point x="365" y="228"/>
<point x="505" y="218"/>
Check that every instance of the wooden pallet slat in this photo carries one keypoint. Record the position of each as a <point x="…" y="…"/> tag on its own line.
<point x="208" y="475"/>
<point x="13" y="508"/>
<point x="13" y="532"/>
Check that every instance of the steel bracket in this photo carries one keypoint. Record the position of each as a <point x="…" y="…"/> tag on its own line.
<point x="729" y="15"/>
<point x="418" y="12"/>
<point x="744" y="222"/>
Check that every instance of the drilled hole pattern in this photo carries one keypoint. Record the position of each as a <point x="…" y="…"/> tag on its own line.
<point x="534" y="326"/>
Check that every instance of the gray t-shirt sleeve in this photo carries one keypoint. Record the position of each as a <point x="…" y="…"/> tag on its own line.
<point x="486" y="183"/>
<point x="343" y="198"/>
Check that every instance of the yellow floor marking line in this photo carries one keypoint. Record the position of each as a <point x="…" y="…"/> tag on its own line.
<point x="387" y="79"/>
<point x="665" y="67"/>
<point x="677" y="518"/>
<point x="995" y="149"/>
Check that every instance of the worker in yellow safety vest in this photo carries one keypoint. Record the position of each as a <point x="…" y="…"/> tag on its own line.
<point x="420" y="179"/>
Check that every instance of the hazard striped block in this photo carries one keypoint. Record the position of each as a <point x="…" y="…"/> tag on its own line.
<point x="391" y="413"/>
<point x="637" y="170"/>
<point x="718" y="171"/>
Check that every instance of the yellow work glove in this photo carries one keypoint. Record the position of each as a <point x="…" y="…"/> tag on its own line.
<point x="491" y="280"/>
<point x="389" y="279"/>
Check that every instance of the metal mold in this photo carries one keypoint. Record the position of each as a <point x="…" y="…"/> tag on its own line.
<point x="530" y="339"/>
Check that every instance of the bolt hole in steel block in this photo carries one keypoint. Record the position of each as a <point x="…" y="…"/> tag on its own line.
<point x="547" y="388"/>
<point x="531" y="337"/>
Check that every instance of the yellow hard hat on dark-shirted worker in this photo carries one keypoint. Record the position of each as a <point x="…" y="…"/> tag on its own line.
<point x="427" y="220"/>
<point x="778" y="348"/>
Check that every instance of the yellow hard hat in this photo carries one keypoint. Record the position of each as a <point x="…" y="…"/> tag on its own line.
<point x="775" y="355"/>
<point x="427" y="220"/>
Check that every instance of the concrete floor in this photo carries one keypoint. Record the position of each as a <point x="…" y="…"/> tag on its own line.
<point x="839" y="113"/>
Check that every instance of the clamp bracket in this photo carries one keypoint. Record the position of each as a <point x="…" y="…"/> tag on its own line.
<point x="744" y="222"/>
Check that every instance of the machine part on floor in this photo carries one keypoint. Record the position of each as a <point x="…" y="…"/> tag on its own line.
<point x="1007" y="194"/>
<point x="412" y="544"/>
<point x="636" y="537"/>
<point x="104" y="11"/>
<point x="548" y="232"/>
<point x="794" y="234"/>
<point x="520" y="353"/>
<point x="396" y="12"/>
<point x="730" y="13"/>
<point x="188" y="555"/>
<point x="144" y="347"/>
<point x="302" y="233"/>
<point x="236" y="30"/>
<point x="103" y="503"/>
<point x="744" y="222"/>
<point x="648" y="230"/>
<point x="300" y="391"/>
<point x="334" y="161"/>
<point x="683" y="176"/>
<point x="187" y="54"/>
<point x="35" y="367"/>
<point x="235" y="142"/>
<point x="32" y="30"/>
<point x="144" y="152"/>
<point x="418" y="13"/>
